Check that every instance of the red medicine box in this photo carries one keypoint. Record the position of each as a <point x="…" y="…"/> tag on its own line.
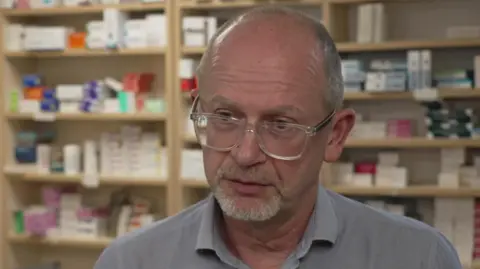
<point x="138" y="82"/>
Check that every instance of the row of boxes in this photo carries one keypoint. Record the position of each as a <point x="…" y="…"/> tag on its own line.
<point x="198" y="30"/>
<point x="132" y="151"/>
<point x="114" y="31"/>
<point x="399" y="128"/>
<point x="455" y="172"/>
<point x="132" y="94"/>
<point x="386" y="172"/>
<point x="34" y="4"/>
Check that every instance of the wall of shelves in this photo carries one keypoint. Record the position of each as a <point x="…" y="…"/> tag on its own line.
<point x="168" y="190"/>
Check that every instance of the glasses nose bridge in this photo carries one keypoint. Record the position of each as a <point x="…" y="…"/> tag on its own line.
<point x="249" y="128"/>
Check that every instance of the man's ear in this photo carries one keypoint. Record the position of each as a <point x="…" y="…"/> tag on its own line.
<point x="342" y="125"/>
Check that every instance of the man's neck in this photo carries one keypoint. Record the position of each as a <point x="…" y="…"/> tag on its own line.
<point x="279" y="235"/>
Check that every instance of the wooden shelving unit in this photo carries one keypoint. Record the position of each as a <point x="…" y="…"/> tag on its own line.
<point x="164" y="62"/>
<point x="76" y="127"/>
<point x="422" y="191"/>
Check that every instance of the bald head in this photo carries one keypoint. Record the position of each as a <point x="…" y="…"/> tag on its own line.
<point x="279" y="38"/>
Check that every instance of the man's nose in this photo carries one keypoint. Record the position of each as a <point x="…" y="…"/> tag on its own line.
<point x="248" y="152"/>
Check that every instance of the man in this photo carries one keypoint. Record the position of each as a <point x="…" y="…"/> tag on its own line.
<point x="268" y="113"/>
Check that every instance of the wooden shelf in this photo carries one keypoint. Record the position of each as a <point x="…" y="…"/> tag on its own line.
<point x="417" y="142"/>
<point x="87" y="53"/>
<point x="87" y="116"/>
<point x="406" y="45"/>
<point x="411" y="191"/>
<point x="80" y="242"/>
<point x="442" y="94"/>
<point x="385" y="46"/>
<point x="81" y="10"/>
<point x="242" y="3"/>
<point x="77" y="179"/>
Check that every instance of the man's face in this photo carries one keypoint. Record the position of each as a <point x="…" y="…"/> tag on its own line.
<point x="265" y="82"/>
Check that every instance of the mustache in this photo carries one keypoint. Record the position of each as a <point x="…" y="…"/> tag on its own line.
<point x="252" y="175"/>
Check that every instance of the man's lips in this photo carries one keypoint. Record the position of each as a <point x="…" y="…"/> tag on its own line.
<point x="244" y="187"/>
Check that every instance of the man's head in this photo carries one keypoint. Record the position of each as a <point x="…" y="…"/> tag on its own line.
<point x="267" y="80"/>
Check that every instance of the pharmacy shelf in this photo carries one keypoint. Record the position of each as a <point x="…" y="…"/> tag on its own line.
<point x="416" y="142"/>
<point x="59" y="178"/>
<point x="445" y="93"/>
<point x="406" y="45"/>
<point x="386" y="95"/>
<point x="400" y="143"/>
<point x="87" y="53"/>
<point x="48" y="117"/>
<point x="385" y="46"/>
<point x="76" y="242"/>
<point x="193" y="5"/>
<point x="411" y="191"/>
<point x="81" y="10"/>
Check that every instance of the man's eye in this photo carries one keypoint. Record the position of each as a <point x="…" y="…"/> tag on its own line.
<point x="223" y="113"/>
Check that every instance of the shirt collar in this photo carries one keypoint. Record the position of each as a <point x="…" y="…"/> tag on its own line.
<point x="206" y="231"/>
<point x="325" y="219"/>
<point x="323" y="225"/>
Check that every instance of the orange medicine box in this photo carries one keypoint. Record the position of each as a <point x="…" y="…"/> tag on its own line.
<point x="77" y="40"/>
<point x="33" y="93"/>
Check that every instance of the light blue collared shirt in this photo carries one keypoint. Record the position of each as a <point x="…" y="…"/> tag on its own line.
<point x="341" y="234"/>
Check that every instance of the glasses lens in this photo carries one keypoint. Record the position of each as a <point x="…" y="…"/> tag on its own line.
<point x="216" y="131"/>
<point x="282" y="140"/>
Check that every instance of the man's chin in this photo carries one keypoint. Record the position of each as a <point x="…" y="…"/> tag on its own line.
<point x="248" y="208"/>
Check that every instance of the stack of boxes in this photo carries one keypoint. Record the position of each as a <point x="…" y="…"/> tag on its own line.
<point x="419" y="65"/>
<point x="134" y="215"/>
<point x="95" y="35"/>
<point x="187" y="70"/>
<point x="443" y="122"/>
<point x="353" y="75"/>
<point x="386" y="76"/>
<point x="70" y="97"/>
<point x="132" y="152"/>
<point x="456" y="79"/>
<point x="36" y="97"/>
<point x="397" y="128"/>
<point x="198" y="30"/>
<point x="388" y="173"/>
<point x="455" y="219"/>
<point x="385" y="173"/>
<point x="192" y="165"/>
<point x="371" y="23"/>
<point x="455" y="172"/>
<point x="62" y="214"/>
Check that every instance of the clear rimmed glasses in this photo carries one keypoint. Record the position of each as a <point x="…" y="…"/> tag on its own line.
<point x="284" y="141"/>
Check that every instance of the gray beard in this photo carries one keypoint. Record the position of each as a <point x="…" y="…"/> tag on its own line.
<point x="261" y="212"/>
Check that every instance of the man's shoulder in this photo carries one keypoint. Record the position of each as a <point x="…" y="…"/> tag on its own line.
<point x="393" y="237"/>
<point x="165" y="230"/>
